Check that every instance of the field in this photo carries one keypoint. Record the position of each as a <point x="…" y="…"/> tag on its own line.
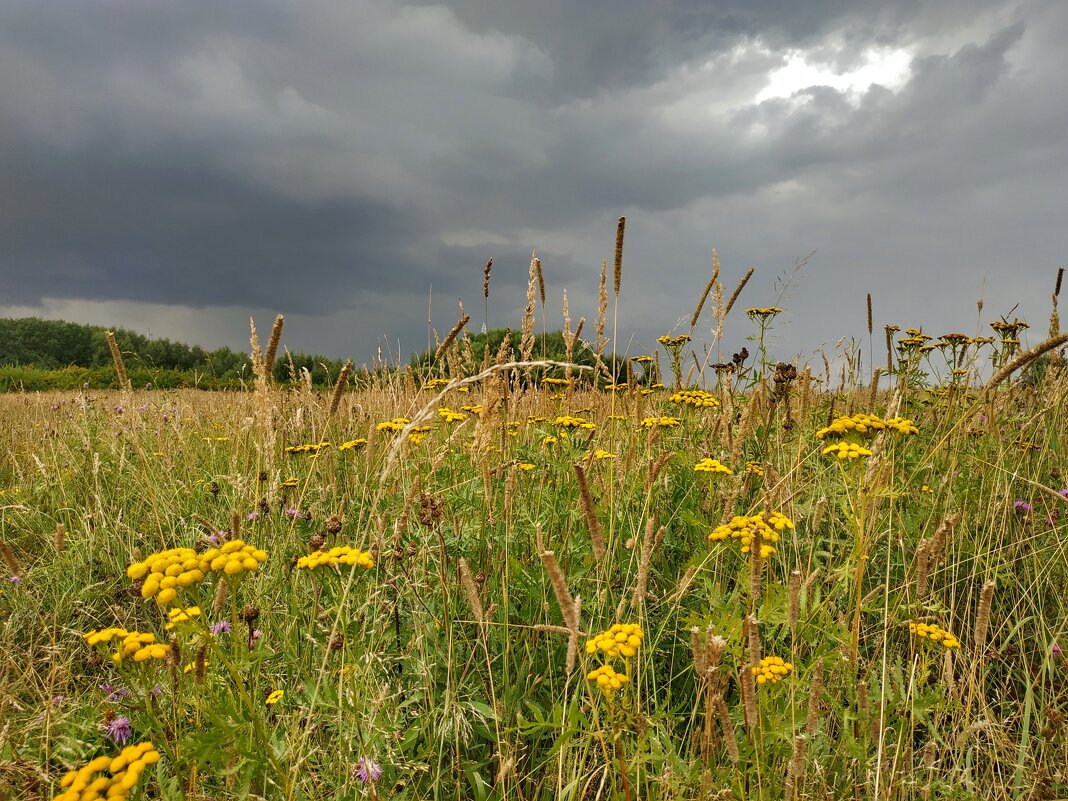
<point x="525" y="584"/>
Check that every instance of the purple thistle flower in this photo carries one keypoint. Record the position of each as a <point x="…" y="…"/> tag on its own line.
<point x="114" y="694"/>
<point x="222" y="627"/>
<point x="120" y="730"/>
<point x="292" y="513"/>
<point x="367" y="770"/>
<point x="1021" y="507"/>
<point x="254" y="638"/>
<point x="16" y="580"/>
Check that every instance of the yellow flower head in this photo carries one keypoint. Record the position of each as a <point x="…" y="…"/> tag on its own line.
<point x="771" y="670"/>
<point x="660" y="422"/>
<point x="570" y="421"/>
<point x="745" y="527"/>
<point x="698" y="398"/>
<point x="163" y="574"/>
<point x="673" y="342"/>
<point x="930" y="631"/>
<point x="178" y="615"/>
<point x="846" y="450"/>
<point x="708" y="465"/>
<point x="341" y="556"/>
<point x="622" y="639"/>
<point x="274" y="697"/>
<point x="608" y="681"/>
<point x="234" y="558"/>
<point x="352" y="444"/>
<point x="108" y="777"/>
<point x="396" y="424"/>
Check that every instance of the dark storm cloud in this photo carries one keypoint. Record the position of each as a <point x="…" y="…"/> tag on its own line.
<point x="326" y="157"/>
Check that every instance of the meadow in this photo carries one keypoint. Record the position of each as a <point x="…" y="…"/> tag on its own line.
<point x="497" y="576"/>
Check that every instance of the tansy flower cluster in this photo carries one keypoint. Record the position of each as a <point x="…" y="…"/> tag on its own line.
<point x="763" y="311"/>
<point x="697" y="398"/>
<point x="866" y="424"/>
<point x="177" y="615"/>
<point x="93" y="782"/>
<point x="140" y="645"/>
<point x="659" y="422"/>
<point x="352" y="443"/>
<point x="166" y="572"/>
<point x="708" y="465"/>
<point x="235" y="557"/>
<point x="600" y="453"/>
<point x="607" y="679"/>
<point x="570" y="421"/>
<point x="743" y="527"/>
<point x="771" y="670"/>
<point x="557" y="382"/>
<point x="756" y="468"/>
<point x="673" y="342"/>
<point x="336" y="557"/>
<point x="846" y="450"/>
<point x="622" y="639"/>
<point x="435" y="383"/>
<point x="450" y="416"/>
<point x="308" y="448"/>
<point x="396" y="424"/>
<point x="930" y="631"/>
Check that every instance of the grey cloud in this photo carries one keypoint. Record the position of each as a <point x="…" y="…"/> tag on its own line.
<point x="329" y="157"/>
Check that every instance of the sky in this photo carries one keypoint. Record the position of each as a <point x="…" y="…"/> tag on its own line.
<point x="179" y="166"/>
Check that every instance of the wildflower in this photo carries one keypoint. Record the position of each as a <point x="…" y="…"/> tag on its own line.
<point x="1055" y="651"/>
<point x="763" y="313"/>
<point x="622" y="639"/>
<point x="476" y="408"/>
<point x="222" y="627"/>
<point x="1022" y="508"/>
<point x="608" y="680"/>
<point x="756" y="468"/>
<point x="234" y="558"/>
<point x="178" y="615"/>
<point x="120" y="730"/>
<point x="708" y="465"/>
<point x="744" y="527"/>
<point x="449" y="416"/>
<point x="91" y="781"/>
<point x="570" y="421"/>
<point x="934" y="633"/>
<point x="847" y="450"/>
<point x="342" y="555"/>
<point x="673" y="342"/>
<point x="113" y="694"/>
<point x="289" y="483"/>
<point x="16" y="580"/>
<point x="396" y="424"/>
<point x="771" y="670"/>
<point x="168" y="571"/>
<point x="660" y="422"/>
<point x="698" y="398"/>
<point x="367" y="770"/>
<point x="292" y="513"/>
<point x="274" y="697"/>
<point x="557" y="382"/>
<point x="436" y="383"/>
<point x="525" y="466"/>
<point x="926" y="489"/>
<point x="351" y="444"/>
<point x="601" y="454"/>
<point x="549" y="440"/>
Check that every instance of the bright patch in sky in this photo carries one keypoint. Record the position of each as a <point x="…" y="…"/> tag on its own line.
<point x="885" y="66"/>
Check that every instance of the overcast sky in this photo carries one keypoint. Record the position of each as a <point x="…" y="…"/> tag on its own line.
<point x="177" y="166"/>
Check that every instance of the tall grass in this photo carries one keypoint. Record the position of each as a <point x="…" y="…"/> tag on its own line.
<point x="507" y="536"/>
